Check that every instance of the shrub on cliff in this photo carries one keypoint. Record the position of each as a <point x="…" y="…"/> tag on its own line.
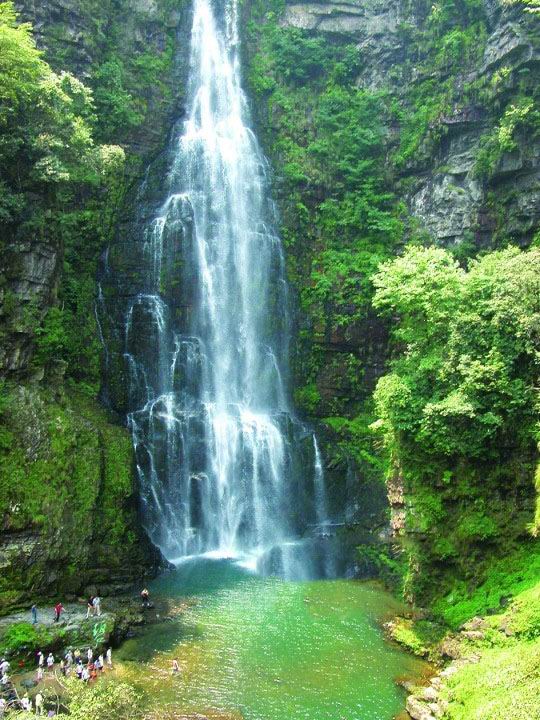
<point x="459" y="409"/>
<point x="57" y="188"/>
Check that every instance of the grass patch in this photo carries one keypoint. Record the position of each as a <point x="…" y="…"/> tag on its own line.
<point x="504" y="684"/>
<point x="507" y="577"/>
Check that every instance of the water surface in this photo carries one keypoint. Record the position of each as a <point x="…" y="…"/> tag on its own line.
<point x="265" y="649"/>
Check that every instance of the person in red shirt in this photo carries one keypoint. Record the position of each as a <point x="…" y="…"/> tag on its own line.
<point x="58" y="608"/>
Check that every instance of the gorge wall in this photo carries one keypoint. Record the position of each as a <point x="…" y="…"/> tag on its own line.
<point x="69" y="516"/>
<point x="395" y="124"/>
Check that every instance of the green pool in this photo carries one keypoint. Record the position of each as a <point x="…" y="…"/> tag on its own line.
<point x="264" y="649"/>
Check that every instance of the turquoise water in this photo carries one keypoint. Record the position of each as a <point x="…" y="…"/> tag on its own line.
<point x="264" y="649"/>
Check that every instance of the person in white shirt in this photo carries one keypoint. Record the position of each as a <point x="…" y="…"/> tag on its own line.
<point x="50" y="661"/>
<point x="109" y="657"/>
<point x="97" y="605"/>
<point x="39" y="703"/>
<point x="90" y="655"/>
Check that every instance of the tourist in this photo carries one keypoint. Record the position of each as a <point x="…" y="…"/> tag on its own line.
<point x="77" y="655"/>
<point x="92" y="671"/>
<point x="26" y="703"/>
<point x="69" y="658"/>
<point x="97" y="605"/>
<point x="39" y="676"/>
<point x="58" y="609"/>
<point x="100" y="663"/>
<point x="85" y="675"/>
<point x="40" y="659"/>
<point x="33" y="611"/>
<point x="63" y="667"/>
<point x="109" y="657"/>
<point x="38" y="700"/>
<point x="4" y="666"/>
<point x="175" y="667"/>
<point x="145" y="595"/>
<point x="79" y="670"/>
<point x="90" y="606"/>
<point x="90" y="655"/>
<point x="50" y="661"/>
<point x="5" y="679"/>
<point x="2" y="707"/>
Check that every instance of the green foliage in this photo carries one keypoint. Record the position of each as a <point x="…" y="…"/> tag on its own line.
<point x="454" y="392"/>
<point x="50" y="169"/>
<point x="504" y="684"/>
<point x="382" y="562"/>
<point x="325" y="137"/>
<point x="513" y="575"/>
<point x="418" y="636"/>
<point x="24" y="638"/>
<point x="458" y="410"/>
<point x="99" y="701"/>
<point x="115" y="104"/>
<point x="102" y="700"/>
<point x="65" y="466"/>
<point x="307" y="398"/>
<point x="521" y="115"/>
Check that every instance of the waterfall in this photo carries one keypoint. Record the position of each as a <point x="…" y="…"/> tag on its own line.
<point x="224" y="465"/>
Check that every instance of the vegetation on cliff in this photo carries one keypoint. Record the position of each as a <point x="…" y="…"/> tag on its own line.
<point x="460" y="408"/>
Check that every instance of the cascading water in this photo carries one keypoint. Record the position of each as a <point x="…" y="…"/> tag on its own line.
<point x="224" y="465"/>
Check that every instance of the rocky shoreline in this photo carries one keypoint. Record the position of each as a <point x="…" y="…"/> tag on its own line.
<point x="490" y="656"/>
<point x="121" y="616"/>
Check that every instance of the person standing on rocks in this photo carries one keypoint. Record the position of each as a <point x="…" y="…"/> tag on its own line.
<point x="40" y="659"/>
<point x="97" y="605"/>
<point x="33" y="611"/>
<point x="145" y="595"/>
<point x="90" y="655"/>
<point x="109" y="658"/>
<point x="90" y="606"/>
<point x="50" y="662"/>
<point x="39" y="703"/>
<point x="58" y="610"/>
<point x="4" y="667"/>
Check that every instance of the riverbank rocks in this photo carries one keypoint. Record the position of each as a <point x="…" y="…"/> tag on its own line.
<point x="20" y="638"/>
<point x="419" y="710"/>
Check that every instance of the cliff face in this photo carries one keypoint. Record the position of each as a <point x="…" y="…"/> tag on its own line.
<point x="69" y="523"/>
<point x="68" y="517"/>
<point x="447" y="94"/>
<point x="126" y="53"/>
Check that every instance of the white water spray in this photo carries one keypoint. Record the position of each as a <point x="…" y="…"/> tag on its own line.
<point x="225" y="467"/>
